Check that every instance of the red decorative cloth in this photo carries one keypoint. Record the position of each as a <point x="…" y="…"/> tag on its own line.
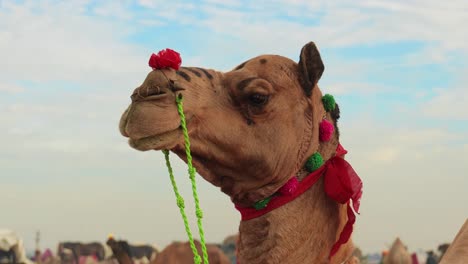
<point x="342" y="184"/>
<point x="165" y="58"/>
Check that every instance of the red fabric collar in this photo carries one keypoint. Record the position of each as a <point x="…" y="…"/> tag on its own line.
<point x="342" y="184"/>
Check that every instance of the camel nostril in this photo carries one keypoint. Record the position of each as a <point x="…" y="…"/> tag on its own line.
<point x="153" y="90"/>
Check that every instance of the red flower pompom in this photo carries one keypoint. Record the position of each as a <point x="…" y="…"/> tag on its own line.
<point x="290" y="186"/>
<point x="326" y="130"/>
<point x="165" y="58"/>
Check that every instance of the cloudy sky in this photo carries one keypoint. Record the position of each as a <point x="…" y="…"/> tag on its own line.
<point x="397" y="68"/>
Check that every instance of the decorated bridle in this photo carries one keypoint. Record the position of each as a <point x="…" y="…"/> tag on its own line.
<point x="168" y="58"/>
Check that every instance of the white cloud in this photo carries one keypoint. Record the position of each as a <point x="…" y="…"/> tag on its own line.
<point x="113" y="9"/>
<point x="451" y="104"/>
<point x="230" y="3"/>
<point x="62" y="44"/>
<point x="341" y="25"/>
<point x="11" y="88"/>
<point x="354" y="88"/>
<point x="386" y="154"/>
<point x="151" y="22"/>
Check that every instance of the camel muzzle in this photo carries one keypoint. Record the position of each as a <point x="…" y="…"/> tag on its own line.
<point x="158" y="86"/>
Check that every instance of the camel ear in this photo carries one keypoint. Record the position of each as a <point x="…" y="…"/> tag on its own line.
<point x="310" y="67"/>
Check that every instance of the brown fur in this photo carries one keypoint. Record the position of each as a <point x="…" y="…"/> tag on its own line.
<point x="251" y="129"/>
<point x="181" y="253"/>
<point x="457" y="253"/>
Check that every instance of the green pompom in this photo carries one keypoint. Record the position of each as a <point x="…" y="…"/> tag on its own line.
<point x="314" y="162"/>
<point x="328" y="102"/>
<point x="262" y="203"/>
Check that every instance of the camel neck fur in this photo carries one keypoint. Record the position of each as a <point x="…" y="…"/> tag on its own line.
<point x="302" y="231"/>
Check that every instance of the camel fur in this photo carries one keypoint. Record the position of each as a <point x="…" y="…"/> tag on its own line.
<point x="251" y="129"/>
<point x="457" y="252"/>
<point x="181" y="253"/>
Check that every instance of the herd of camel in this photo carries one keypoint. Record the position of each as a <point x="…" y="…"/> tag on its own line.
<point x="125" y="253"/>
<point x="224" y="253"/>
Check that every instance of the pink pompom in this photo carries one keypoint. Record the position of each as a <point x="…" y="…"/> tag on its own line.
<point x="326" y="130"/>
<point x="289" y="187"/>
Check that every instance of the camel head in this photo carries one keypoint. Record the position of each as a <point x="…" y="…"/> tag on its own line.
<point x="250" y="128"/>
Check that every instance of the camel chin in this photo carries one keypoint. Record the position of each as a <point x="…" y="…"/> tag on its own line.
<point x="167" y="140"/>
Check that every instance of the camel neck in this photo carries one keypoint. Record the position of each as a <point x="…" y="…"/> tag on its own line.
<point x="294" y="190"/>
<point x="302" y="231"/>
<point x="340" y="186"/>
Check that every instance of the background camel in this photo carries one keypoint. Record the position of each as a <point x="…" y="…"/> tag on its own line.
<point x="457" y="253"/>
<point x="251" y="129"/>
<point x="229" y="247"/>
<point x="12" y="248"/>
<point x="181" y="253"/>
<point x="120" y="251"/>
<point x="398" y="254"/>
<point x="9" y="256"/>
<point x="125" y="253"/>
<point x="81" y="249"/>
<point x="442" y="248"/>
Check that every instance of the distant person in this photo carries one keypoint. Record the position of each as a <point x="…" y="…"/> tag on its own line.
<point x="431" y="259"/>
<point x="414" y="258"/>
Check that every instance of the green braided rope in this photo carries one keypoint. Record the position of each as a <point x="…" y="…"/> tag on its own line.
<point x="192" y="172"/>
<point x="181" y="205"/>
<point x="180" y="201"/>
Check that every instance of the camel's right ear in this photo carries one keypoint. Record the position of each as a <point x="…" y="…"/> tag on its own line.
<point x="310" y="67"/>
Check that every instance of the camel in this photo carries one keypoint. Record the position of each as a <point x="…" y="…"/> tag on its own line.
<point x="181" y="253"/>
<point x="8" y="255"/>
<point x="120" y="251"/>
<point x="457" y="252"/>
<point x="125" y="252"/>
<point x="81" y="249"/>
<point x="228" y="246"/>
<point x="398" y="254"/>
<point x="442" y="248"/>
<point x="252" y="130"/>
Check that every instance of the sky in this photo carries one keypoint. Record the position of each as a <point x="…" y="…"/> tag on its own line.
<point x="397" y="68"/>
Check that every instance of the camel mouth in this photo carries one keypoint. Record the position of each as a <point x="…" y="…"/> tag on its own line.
<point x="161" y="139"/>
<point x="166" y="140"/>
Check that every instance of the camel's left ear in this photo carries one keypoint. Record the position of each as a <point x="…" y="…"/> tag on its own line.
<point x="310" y="67"/>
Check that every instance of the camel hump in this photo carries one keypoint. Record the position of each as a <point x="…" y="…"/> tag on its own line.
<point x="457" y="252"/>
<point x="398" y="253"/>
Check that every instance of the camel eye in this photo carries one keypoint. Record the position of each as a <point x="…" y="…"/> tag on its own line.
<point x="257" y="99"/>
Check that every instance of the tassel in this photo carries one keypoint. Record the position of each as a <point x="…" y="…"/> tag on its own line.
<point x="290" y="186"/>
<point x="326" y="130"/>
<point x="314" y="162"/>
<point x="328" y="102"/>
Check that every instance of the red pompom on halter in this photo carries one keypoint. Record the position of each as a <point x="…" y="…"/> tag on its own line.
<point x="326" y="130"/>
<point x="165" y="58"/>
<point x="290" y="186"/>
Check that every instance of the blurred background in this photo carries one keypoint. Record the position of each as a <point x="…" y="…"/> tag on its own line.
<point x="397" y="68"/>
